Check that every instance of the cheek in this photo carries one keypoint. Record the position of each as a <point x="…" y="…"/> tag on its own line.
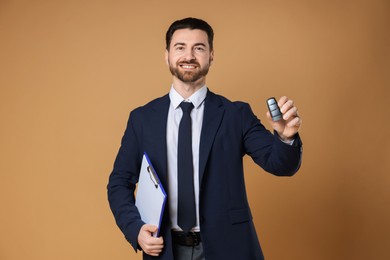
<point x="206" y="61"/>
<point x="174" y="58"/>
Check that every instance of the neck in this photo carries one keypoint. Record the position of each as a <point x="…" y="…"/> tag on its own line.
<point x="186" y="89"/>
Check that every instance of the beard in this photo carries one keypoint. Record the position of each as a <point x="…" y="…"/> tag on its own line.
<point x="189" y="76"/>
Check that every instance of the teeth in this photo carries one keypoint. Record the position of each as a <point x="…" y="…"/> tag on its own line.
<point x="188" y="66"/>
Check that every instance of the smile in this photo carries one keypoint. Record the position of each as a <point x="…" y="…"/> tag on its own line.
<point x="188" y="66"/>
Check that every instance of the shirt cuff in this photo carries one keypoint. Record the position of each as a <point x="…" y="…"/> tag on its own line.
<point x="287" y="142"/>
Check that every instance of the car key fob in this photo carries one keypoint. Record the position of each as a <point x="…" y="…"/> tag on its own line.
<point x="274" y="109"/>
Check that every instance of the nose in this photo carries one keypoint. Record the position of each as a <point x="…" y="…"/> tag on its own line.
<point x="189" y="55"/>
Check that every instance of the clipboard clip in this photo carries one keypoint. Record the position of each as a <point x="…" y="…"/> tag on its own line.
<point x="153" y="176"/>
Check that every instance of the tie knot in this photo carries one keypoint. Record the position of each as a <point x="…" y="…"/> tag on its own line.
<point x="186" y="106"/>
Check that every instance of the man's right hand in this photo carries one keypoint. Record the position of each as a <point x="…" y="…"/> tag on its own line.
<point x="150" y="245"/>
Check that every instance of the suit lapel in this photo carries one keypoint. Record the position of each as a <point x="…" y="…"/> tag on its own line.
<point x="213" y="114"/>
<point x="159" y="117"/>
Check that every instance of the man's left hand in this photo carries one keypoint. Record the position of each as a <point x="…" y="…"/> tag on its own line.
<point x="291" y="122"/>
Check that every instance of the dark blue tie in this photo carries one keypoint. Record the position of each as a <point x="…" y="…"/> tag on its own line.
<point x="186" y="215"/>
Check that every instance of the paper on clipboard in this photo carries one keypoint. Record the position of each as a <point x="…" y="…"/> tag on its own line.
<point x="151" y="196"/>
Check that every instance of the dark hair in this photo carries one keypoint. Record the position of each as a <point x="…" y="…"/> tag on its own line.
<point x="190" y="23"/>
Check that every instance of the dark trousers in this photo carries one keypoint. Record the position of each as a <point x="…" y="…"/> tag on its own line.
<point x="188" y="252"/>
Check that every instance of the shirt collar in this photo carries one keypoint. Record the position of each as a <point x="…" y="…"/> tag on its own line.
<point x="196" y="99"/>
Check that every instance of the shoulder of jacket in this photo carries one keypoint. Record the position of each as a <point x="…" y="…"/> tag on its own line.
<point x="231" y="104"/>
<point x="157" y="102"/>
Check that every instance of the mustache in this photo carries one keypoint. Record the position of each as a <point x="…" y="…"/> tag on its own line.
<point x="193" y="61"/>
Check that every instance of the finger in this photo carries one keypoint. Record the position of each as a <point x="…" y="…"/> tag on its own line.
<point x="282" y="101"/>
<point x="157" y="241"/>
<point x="157" y="249"/>
<point x="287" y="106"/>
<point x="296" y="122"/>
<point x="152" y="253"/>
<point x="150" y="248"/>
<point x="153" y="242"/>
<point x="291" y="113"/>
<point x="154" y="248"/>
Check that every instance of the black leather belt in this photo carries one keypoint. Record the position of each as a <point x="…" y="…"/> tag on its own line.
<point x="186" y="238"/>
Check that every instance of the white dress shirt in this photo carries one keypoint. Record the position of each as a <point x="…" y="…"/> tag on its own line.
<point x="174" y="116"/>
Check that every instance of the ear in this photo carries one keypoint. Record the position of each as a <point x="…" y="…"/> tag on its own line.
<point x="211" y="57"/>
<point x="167" y="57"/>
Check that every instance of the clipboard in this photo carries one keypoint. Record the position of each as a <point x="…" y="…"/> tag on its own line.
<point x="151" y="196"/>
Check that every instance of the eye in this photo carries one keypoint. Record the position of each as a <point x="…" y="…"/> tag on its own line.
<point x="199" y="48"/>
<point x="179" y="48"/>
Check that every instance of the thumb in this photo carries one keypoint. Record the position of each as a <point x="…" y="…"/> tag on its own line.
<point x="269" y="116"/>
<point x="276" y="125"/>
<point x="150" y="228"/>
<point x="272" y="122"/>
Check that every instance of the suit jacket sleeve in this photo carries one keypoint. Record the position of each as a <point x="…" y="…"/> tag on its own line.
<point x="122" y="183"/>
<point x="268" y="150"/>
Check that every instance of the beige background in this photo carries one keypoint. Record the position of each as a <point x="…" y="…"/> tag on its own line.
<point x="70" y="72"/>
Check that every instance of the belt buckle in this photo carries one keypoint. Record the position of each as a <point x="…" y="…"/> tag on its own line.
<point x="194" y="237"/>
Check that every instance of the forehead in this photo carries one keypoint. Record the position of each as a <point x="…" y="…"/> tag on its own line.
<point x="190" y="37"/>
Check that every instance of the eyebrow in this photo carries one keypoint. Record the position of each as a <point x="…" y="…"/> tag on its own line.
<point x="196" y="44"/>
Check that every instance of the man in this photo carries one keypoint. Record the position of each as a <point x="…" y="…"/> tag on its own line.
<point x="207" y="215"/>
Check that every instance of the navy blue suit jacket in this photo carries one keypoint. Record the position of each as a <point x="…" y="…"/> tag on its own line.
<point x="230" y="130"/>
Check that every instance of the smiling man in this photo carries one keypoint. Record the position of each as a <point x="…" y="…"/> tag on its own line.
<point x="189" y="58"/>
<point x="196" y="141"/>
